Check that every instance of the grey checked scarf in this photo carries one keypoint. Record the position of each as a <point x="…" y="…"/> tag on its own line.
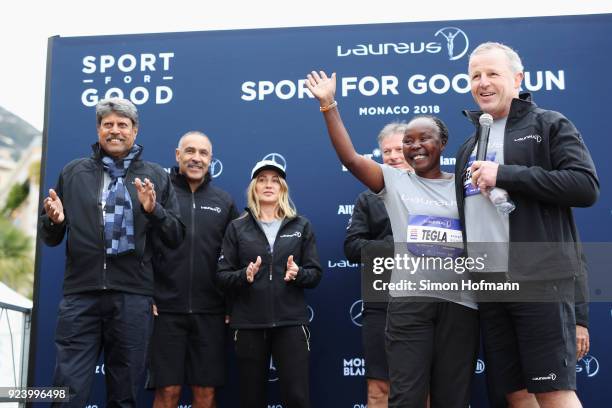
<point x="118" y="215"/>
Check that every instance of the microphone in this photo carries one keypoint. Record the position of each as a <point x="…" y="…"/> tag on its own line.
<point x="485" y="121"/>
<point x="498" y="196"/>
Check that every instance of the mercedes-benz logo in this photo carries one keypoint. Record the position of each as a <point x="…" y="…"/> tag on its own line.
<point x="272" y="376"/>
<point x="276" y="158"/>
<point x="310" y="313"/>
<point x="454" y="38"/>
<point x="216" y="168"/>
<point x="356" y="312"/>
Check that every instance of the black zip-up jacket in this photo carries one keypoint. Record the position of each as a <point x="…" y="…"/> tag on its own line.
<point x="369" y="230"/>
<point x="547" y="170"/>
<point x="268" y="301"/>
<point x="88" y="268"/>
<point x="185" y="277"/>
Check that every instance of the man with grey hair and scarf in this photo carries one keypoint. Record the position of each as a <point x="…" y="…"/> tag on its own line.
<point x="111" y="206"/>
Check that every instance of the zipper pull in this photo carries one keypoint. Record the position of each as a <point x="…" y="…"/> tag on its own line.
<point x="271" y="260"/>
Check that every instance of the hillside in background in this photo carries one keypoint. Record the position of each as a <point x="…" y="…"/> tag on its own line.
<point x="15" y="133"/>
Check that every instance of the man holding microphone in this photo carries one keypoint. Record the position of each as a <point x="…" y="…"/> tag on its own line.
<point x="539" y="158"/>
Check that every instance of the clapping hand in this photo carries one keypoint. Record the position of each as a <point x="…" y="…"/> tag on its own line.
<point x="252" y="269"/>
<point x="292" y="269"/>
<point x="146" y="194"/>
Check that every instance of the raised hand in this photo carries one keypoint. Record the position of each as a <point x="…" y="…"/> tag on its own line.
<point x="292" y="269"/>
<point x="146" y="194"/>
<point x="54" y="207"/>
<point x="252" y="269"/>
<point x="322" y="87"/>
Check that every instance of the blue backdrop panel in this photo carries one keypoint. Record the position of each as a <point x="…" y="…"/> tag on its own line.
<point x="244" y="89"/>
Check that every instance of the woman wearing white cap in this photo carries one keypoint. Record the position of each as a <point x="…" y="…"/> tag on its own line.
<point x="269" y="257"/>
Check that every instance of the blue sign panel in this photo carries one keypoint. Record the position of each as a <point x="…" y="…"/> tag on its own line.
<point x="245" y="89"/>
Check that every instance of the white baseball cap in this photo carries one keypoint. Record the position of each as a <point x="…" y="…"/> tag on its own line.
<point x="268" y="165"/>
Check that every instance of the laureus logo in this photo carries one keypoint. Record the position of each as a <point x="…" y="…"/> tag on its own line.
<point x="588" y="365"/>
<point x="453" y="40"/>
<point x="216" y="168"/>
<point x="457" y="42"/>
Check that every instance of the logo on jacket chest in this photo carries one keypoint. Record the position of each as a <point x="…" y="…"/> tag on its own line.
<point x="295" y="234"/>
<point x="209" y="208"/>
<point x="536" y="138"/>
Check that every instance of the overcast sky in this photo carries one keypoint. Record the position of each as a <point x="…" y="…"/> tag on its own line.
<point x="26" y="25"/>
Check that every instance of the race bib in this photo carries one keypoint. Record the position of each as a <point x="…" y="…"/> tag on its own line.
<point x="468" y="188"/>
<point x="434" y="236"/>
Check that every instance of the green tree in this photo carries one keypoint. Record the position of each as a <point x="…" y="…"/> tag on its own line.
<point x="19" y="192"/>
<point x="16" y="263"/>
